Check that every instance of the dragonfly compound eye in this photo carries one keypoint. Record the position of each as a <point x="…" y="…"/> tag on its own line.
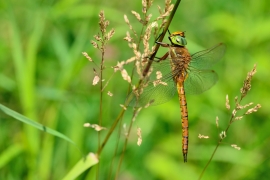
<point x="179" y="40"/>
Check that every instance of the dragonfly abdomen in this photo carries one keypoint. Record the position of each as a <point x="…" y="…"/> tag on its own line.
<point x="184" y="118"/>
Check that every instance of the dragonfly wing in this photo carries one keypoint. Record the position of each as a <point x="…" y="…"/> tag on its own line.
<point x="154" y="95"/>
<point x="157" y="90"/>
<point x="207" y="58"/>
<point x="199" y="81"/>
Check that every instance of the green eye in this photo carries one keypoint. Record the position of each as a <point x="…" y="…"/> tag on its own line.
<point x="178" y="40"/>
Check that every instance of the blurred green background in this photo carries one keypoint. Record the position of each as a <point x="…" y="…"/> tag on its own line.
<point x="44" y="76"/>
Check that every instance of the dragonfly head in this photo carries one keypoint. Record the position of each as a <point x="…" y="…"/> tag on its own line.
<point x="178" y="38"/>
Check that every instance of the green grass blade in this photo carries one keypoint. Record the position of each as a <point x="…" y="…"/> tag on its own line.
<point x="33" y="123"/>
<point x="85" y="163"/>
<point x="9" y="154"/>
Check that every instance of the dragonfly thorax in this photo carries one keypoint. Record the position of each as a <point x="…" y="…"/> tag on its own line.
<point x="180" y="58"/>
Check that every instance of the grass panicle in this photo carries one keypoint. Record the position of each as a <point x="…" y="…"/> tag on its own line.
<point x="203" y="136"/>
<point x="234" y="115"/>
<point x="139" y="133"/>
<point x="101" y="40"/>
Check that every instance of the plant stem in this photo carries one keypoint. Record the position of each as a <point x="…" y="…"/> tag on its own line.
<point x="204" y="169"/>
<point x="110" y="131"/>
<point x="101" y="98"/>
<point x="161" y="38"/>
<point x="125" y="145"/>
<point x="219" y="142"/>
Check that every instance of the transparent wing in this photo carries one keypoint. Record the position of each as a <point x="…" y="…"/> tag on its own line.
<point x="207" y="58"/>
<point x="157" y="90"/>
<point x="199" y="81"/>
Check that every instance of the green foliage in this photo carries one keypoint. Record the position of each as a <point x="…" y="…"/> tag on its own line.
<point x="33" y="123"/>
<point x="45" y="77"/>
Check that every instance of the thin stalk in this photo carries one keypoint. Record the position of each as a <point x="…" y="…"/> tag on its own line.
<point x="244" y="90"/>
<point x="161" y="39"/>
<point x="115" y="150"/>
<point x="100" y="100"/>
<point x="219" y="142"/>
<point x="110" y="131"/>
<point x="125" y="146"/>
<point x="101" y="93"/>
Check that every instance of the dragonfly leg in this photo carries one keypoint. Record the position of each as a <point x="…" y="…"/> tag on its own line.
<point x="161" y="34"/>
<point x="163" y="44"/>
<point x="158" y="58"/>
<point x="163" y="57"/>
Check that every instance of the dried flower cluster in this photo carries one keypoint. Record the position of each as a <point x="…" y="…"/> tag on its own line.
<point x="96" y="78"/>
<point x="247" y="83"/>
<point x="87" y="56"/>
<point x="109" y="93"/>
<point x="203" y="136"/>
<point x="227" y="102"/>
<point x="235" y="146"/>
<point x="123" y="106"/>
<point x="100" y="43"/>
<point x="139" y="133"/>
<point x="135" y="41"/>
<point x="103" y="38"/>
<point x="244" y="90"/>
<point x="94" y="126"/>
<point x="217" y="121"/>
<point x="222" y="135"/>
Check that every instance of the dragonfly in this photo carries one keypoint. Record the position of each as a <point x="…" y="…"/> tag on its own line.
<point x="178" y="71"/>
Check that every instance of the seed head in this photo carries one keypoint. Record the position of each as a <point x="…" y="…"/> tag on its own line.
<point x="139" y="133"/>
<point x="217" y="121"/>
<point x="235" y="146"/>
<point x="222" y="135"/>
<point x="247" y="83"/>
<point x="238" y="118"/>
<point x="203" y="136"/>
<point x="95" y="44"/>
<point x="102" y="22"/>
<point x="87" y="56"/>
<point x="227" y="102"/>
<point x="255" y="109"/>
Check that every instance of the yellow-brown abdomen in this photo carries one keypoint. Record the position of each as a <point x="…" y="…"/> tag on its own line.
<point x="184" y="118"/>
